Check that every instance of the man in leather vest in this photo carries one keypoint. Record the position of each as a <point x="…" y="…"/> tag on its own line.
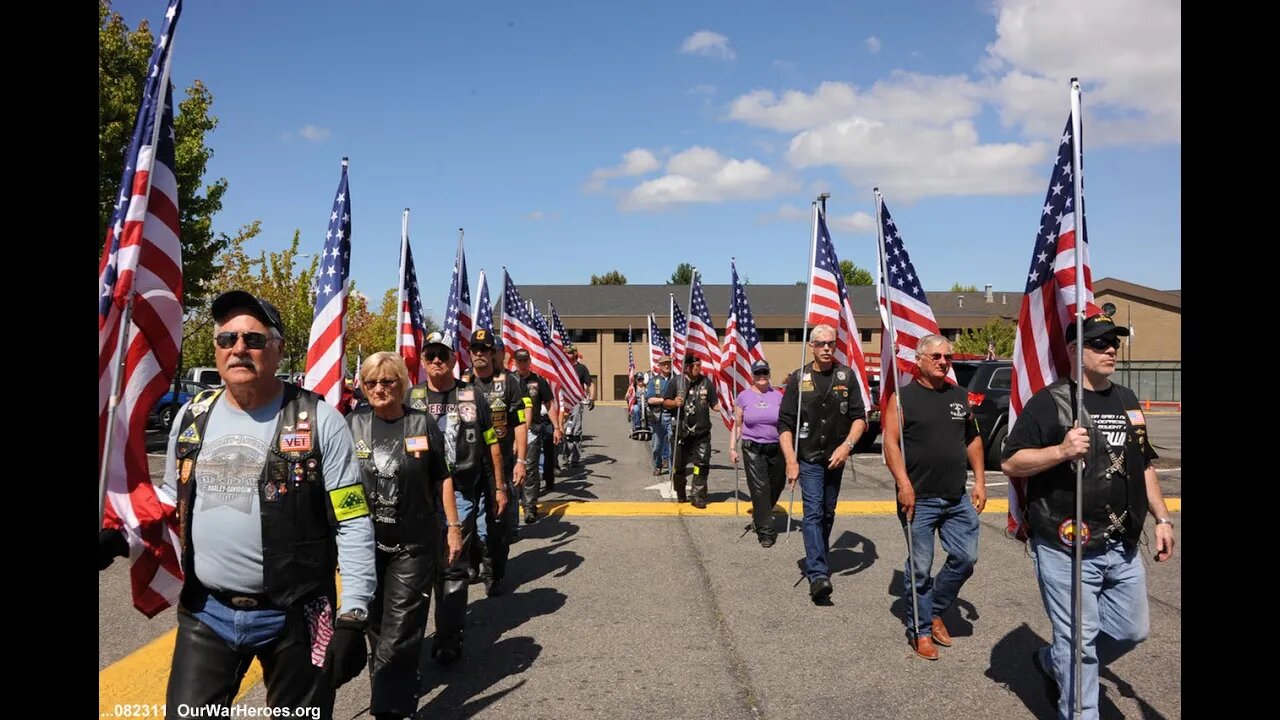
<point x="572" y="452"/>
<point x="691" y="396"/>
<point x="1119" y="486"/>
<point x="659" y="418"/>
<point x="269" y="501"/>
<point x="471" y="450"/>
<point x="828" y="425"/>
<point x="537" y="397"/>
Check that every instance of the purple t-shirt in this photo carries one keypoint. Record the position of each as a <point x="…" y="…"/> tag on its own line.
<point x="760" y="414"/>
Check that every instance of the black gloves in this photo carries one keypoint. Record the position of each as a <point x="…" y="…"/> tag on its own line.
<point x="591" y="404"/>
<point x="111" y="544"/>
<point x="347" y="653"/>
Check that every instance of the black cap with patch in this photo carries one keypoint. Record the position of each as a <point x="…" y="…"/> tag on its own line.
<point x="1097" y="326"/>
<point x="481" y="339"/>
<point x="261" y="309"/>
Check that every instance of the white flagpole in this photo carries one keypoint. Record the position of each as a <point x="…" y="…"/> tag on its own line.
<point x="804" y="340"/>
<point x="732" y="353"/>
<point x="404" y="251"/>
<point x="1078" y="541"/>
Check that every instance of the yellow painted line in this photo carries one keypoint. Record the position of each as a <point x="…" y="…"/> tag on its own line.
<point x="141" y="677"/>
<point x="668" y="508"/>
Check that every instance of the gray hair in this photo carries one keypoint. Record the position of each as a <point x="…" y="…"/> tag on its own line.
<point x="929" y="341"/>
<point x="826" y="330"/>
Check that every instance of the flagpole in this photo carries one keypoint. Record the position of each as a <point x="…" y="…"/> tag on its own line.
<point x="1078" y="541"/>
<point x="804" y="340"/>
<point x="890" y="365"/>
<point x="126" y="317"/>
<point x="404" y="247"/>
<point x="671" y="466"/>
<point x="733" y="311"/>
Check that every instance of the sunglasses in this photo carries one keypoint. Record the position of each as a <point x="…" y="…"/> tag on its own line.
<point x="252" y="340"/>
<point x="370" y="384"/>
<point x="760" y="373"/>
<point x="433" y="355"/>
<point x="939" y="357"/>
<point x="1103" y="344"/>
<point x="823" y="343"/>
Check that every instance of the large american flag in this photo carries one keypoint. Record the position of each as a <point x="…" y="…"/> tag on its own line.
<point x="457" y="312"/>
<point x="1040" y="349"/>
<point x="741" y="340"/>
<point x="484" y="309"/>
<point x="141" y="269"/>
<point x="829" y="304"/>
<point x="705" y="345"/>
<point x="521" y="330"/>
<point x="413" y="326"/>
<point x="631" y="375"/>
<point x="558" y="333"/>
<point x="658" y="343"/>
<point x="679" y="335"/>
<point x="327" y="347"/>
<point x="567" y="387"/>
<point x="911" y="319"/>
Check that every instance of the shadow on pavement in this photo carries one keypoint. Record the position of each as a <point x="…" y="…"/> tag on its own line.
<point x="851" y="553"/>
<point x="958" y="618"/>
<point x="1012" y="667"/>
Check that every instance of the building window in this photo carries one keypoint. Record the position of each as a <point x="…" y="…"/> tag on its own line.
<point x="583" y="336"/>
<point x="795" y="334"/>
<point x="866" y="335"/>
<point x="619" y="387"/>
<point x="772" y="334"/>
<point x="637" y="335"/>
<point x="949" y="333"/>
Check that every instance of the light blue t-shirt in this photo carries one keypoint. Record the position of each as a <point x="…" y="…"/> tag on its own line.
<point x="226" y="527"/>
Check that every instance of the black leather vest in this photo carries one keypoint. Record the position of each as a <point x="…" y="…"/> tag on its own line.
<point x="470" y="431"/>
<point x="823" y="422"/>
<point x="1052" y="500"/>
<point x="411" y="523"/>
<point x="299" y="554"/>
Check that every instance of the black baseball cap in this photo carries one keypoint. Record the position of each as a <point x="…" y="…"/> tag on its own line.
<point x="759" y="367"/>
<point x="521" y="354"/>
<point x="481" y="339"/>
<point x="261" y="309"/>
<point x="436" y="338"/>
<point x="1099" y="325"/>
<point x="690" y="358"/>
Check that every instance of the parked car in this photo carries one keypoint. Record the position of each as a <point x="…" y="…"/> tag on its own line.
<point x="989" y="383"/>
<point x="204" y="376"/>
<point x="162" y="413"/>
<point x="868" y="439"/>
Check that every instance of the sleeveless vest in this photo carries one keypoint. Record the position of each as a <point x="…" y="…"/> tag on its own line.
<point x="411" y="523"/>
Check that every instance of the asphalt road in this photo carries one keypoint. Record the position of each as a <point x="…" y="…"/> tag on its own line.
<point x="677" y="615"/>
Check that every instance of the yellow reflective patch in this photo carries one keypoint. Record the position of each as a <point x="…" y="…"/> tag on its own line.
<point x="520" y="414"/>
<point x="348" y="502"/>
<point x="695" y="470"/>
<point x="490" y="437"/>
<point x="528" y="402"/>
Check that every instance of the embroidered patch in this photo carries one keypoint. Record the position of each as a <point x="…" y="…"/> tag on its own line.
<point x="304" y="425"/>
<point x="468" y="411"/>
<point x="417" y="393"/>
<point x="467" y="395"/>
<point x="417" y="443"/>
<point x="362" y="450"/>
<point x="190" y="435"/>
<point x="295" y="442"/>
<point x="185" y="474"/>
<point x="840" y="375"/>
<point x="1135" y="417"/>
<point x="490" y="437"/>
<point x="1066" y="532"/>
<point x="348" y="502"/>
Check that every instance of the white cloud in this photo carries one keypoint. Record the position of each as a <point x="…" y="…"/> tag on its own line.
<point x="1128" y="56"/>
<point x="705" y="42"/>
<point x="701" y="175"/>
<point x="537" y="215"/>
<point x="858" y="222"/>
<point x="313" y="133"/>
<point x="634" y="162"/>
<point x="873" y="44"/>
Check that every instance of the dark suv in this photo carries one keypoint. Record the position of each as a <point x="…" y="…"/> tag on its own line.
<point x="989" y="383"/>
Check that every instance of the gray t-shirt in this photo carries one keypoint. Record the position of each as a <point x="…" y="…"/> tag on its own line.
<point x="226" y="527"/>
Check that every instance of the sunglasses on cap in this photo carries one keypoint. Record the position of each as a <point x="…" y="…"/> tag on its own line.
<point x="252" y="340"/>
<point x="433" y="354"/>
<point x="1102" y="344"/>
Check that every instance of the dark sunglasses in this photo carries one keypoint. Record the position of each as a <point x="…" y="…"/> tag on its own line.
<point x="1103" y="344"/>
<point x="823" y="343"/>
<point x="370" y="384"/>
<point x="432" y="355"/>
<point x="252" y="340"/>
<point x="939" y="357"/>
<point x="760" y="373"/>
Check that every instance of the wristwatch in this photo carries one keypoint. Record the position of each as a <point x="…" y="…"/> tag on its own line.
<point x="850" y="443"/>
<point x="1165" y="521"/>
<point x="357" y="615"/>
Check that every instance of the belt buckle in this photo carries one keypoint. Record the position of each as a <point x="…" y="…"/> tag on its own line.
<point x="243" y="602"/>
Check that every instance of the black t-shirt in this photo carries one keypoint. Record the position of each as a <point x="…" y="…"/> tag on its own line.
<point x="700" y="396"/>
<point x="1038" y="427"/>
<point x="538" y="391"/>
<point x="472" y="452"/>
<point x="584" y="375"/>
<point x="937" y="429"/>
<point x="505" y="397"/>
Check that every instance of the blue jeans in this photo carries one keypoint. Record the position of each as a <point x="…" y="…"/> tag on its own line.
<point x="819" y="489"/>
<point x="661" y="440"/>
<point x="956" y="523"/>
<point x="1114" y="599"/>
<point x="637" y="416"/>
<point x="241" y="629"/>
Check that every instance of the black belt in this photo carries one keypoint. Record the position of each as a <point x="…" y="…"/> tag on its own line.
<point x="754" y="446"/>
<point x="243" y="601"/>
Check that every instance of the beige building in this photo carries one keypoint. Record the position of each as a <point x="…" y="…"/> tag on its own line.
<point x="597" y="317"/>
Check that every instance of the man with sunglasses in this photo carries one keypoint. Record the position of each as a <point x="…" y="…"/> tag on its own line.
<point x="1120" y="487"/>
<point x="827" y="426"/>
<point x="692" y="396"/>
<point x="471" y="449"/>
<point x="659" y="418"/>
<point x="537" y="397"/>
<point x="939" y="437"/>
<point x="264" y="478"/>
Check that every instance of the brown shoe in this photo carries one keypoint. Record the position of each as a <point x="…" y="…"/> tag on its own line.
<point x="924" y="647"/>
<point x="940" y="634"/>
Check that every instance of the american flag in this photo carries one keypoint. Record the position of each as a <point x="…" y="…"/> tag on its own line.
<point x="141" y="270"/>
<point x="741" y="340"/>
<point x="704" y="345"/>
<point x="457" y="313"/>
<point x="1040" y="349"/>
<point x="679" y="335"/>
<point x="484" y="310"/>
<point x="829" y="304"/>
<point x="631" y="375"/>
<point x="912" y="317"/>
<point x="558" y="333"/>
<point x="570" y="390"/>
<point x="326" y="349"/>
<point x="658" y="343"/>
<point x="523" y="329"/>
<point x="413" y="326"/>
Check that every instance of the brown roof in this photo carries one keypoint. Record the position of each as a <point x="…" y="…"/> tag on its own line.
<point x="1170" y="299"/>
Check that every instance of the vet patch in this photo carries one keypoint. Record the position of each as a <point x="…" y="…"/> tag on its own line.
<point x="295" y="442"/>
<point x="417" y="443"/>
<point x="362" y="449"/>
<point x="185" y="475"/>
<point x="1135" y="417"/>
<point x="190" y="435"/>
<point x="348" y="502"/>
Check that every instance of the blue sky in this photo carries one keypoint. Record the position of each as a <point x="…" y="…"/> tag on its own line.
<point x="576" y="137"/>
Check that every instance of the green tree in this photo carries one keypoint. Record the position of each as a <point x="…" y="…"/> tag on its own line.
<point x="854" y="275"/>
<point x="682" y="276"/>
<point x="974" y="340"/>
<point x="957" y="287"/>
<point x="122" y="70"/>
<point x="613" y="277"/>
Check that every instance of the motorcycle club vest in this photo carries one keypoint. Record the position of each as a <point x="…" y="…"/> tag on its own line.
<point x="1052" y="501"/>
<point x="299" y="553"/>
<point x="496" y="397"/>
<point x="533" y="401"/>
<point x="692" y="424"/>
<point x="465" y="445"/>
<point x="823" y="422"/>
<point x="410" y="523"/>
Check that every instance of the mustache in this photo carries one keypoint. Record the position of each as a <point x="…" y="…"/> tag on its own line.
<point x="243" y="362"/>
